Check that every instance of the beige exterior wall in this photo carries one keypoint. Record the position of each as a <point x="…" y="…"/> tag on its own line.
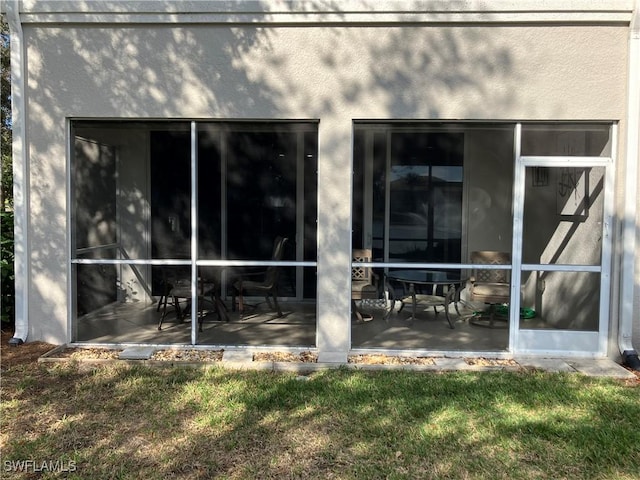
<point x="465" y="72"/>
<point x="335" y="73"/>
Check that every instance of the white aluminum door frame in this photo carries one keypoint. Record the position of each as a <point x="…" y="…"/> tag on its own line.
<point x="568" y="343"/>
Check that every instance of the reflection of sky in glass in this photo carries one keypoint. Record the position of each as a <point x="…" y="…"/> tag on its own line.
<point x="446" y="173"/>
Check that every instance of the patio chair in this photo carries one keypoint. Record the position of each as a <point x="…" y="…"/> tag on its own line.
<point x="491" y="287"/>
<point x="180" y="294"/>
<point x="267" y="285"/>
<point x="166" y="284"/>
<point x="364" y="283"/>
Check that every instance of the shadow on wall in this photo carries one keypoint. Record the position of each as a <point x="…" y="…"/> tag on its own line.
<point x="228" y="71"/>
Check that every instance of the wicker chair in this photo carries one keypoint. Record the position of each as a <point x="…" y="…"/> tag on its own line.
<point x="364" y="283"/>
<point x="489" y="286"/>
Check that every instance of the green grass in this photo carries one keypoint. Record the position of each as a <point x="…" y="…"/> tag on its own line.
<point x="130" y="422"/>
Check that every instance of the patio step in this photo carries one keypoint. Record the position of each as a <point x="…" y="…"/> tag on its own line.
<point x="137" y="353"/>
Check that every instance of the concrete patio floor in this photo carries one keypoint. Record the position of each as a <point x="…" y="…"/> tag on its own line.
<point x="261" y="330"/>
<point x="137" y="324"/>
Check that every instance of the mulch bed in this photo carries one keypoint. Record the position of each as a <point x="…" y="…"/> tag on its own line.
<point x="390" y="360"/>
<point x="304" y="357"/>
<point x="17" y="355"/>
<point x="372" y="359"/>
<point x="308" y="357"/>
<point x="168" y="355"/>
<point x="491" y="362"/>
<point x="88" y="353"/>
<point x="193" y="355"/>
<point x="31" y="351"/>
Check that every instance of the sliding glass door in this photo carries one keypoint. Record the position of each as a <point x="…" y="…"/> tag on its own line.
<point x="425" y="196"/>
<point x="409" y="194"/>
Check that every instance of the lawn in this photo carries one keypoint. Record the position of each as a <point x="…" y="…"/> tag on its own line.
<point x="114" y="422"/>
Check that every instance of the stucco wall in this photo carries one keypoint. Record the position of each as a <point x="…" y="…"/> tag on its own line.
<point x="332" y="73"/>
<point x="515" y="72"/>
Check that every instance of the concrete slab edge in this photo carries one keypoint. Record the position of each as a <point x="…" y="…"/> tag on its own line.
<point x="595" y="367"/>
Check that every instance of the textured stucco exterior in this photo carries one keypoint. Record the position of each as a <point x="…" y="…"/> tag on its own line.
<point x="334" y="71"/>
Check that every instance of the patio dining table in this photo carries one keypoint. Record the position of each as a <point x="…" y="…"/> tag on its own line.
<point x="443" y="288"/>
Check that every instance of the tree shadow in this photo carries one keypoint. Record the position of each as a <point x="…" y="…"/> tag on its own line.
<point x="238" y="71"/>
<point x="191" y="423"/>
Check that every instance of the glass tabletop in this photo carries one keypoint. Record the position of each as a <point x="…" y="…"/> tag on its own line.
<point x="425" y="276"/>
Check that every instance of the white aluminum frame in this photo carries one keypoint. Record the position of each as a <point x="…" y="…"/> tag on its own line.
<point x="193" y="262"/>
<point x="520" y="340"/>
<point x="541" y="341"/>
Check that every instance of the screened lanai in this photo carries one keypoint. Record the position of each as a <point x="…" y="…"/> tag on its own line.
<point x="431" y="200"/>
<point x="159" y="207"/>
<point x="171" y="214"/>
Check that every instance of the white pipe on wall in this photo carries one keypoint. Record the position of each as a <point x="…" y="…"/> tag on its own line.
<point x="629" y="227"/>
<point x="20" y="174"/>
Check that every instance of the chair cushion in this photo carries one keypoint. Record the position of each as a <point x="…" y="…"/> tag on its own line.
<point x="363" y="289"/>
<point x="491" y="292"/>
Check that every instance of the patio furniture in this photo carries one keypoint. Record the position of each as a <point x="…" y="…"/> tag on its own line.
<point x="180" y="293"/>
<point x="267" y="285"/>
<point x="428" y="288"/>
<point x="364" y="283"/>
<point x="166" y="284"/>
<point x="489" y="286"/>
